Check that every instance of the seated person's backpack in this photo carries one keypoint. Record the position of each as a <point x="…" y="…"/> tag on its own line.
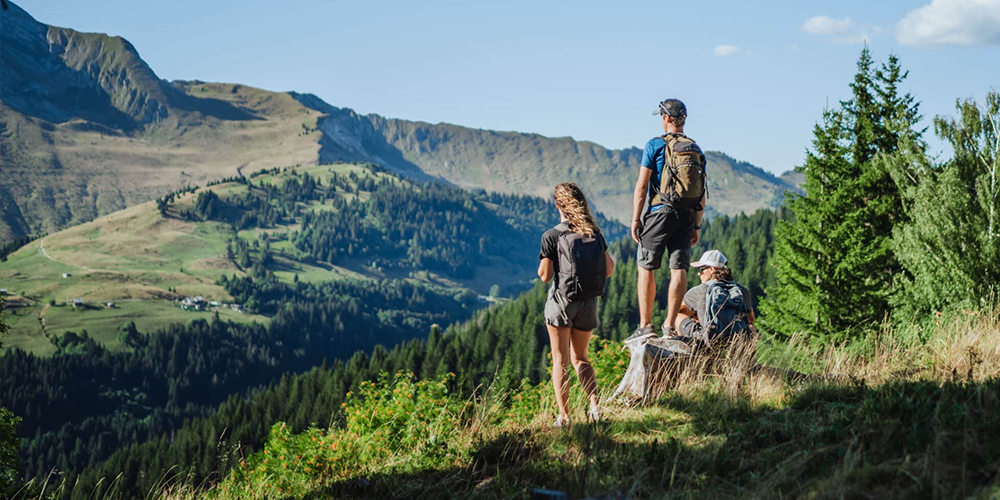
<point x="726" y="314"/>
<point x="582" y="268"/>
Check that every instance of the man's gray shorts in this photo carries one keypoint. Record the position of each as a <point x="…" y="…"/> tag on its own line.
<point x="665" y="230"/>
<point x="576" y="314"/>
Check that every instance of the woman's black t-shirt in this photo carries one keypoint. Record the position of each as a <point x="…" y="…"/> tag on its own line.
<point x="550" y="245"/>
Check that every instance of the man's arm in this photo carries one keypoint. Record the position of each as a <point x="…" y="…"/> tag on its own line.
<point x="639" y="199"/>
<point x="685" y="313"/>
<point x="696" y="234"/>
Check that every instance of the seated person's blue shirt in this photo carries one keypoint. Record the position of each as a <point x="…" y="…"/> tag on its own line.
<point x="652" y="158"/>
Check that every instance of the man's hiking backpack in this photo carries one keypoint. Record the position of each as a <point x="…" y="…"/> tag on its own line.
<point x="682" y="183"/>
<point x="582" y="268"/>
<point x="727" y="312"/>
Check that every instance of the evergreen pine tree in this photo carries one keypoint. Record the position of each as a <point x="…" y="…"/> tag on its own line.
<point x="835" y="262"/>
<point x="806" y="246"/>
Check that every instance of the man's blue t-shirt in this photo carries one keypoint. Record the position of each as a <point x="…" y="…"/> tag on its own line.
<point x="653" y="159"/>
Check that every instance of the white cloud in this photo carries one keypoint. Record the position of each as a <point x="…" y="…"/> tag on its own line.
<point x="825" y="25"/>
<point x="952" y="22"/>
<point x="727" y="50"/>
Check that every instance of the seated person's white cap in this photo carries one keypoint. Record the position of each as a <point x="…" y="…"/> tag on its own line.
<point x="711" y="258"/>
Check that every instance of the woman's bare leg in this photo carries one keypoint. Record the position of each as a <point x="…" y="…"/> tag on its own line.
<point x="580" y="341"/>
<point x="559" y="340"/>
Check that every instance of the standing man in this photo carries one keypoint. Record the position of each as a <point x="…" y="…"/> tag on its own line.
<point x="672" y="180"/>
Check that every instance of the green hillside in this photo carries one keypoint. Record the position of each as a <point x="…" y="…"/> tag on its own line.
<point x="888" y="415"/>
<point x="163" y="376"/>
<point x="307" y="224"/>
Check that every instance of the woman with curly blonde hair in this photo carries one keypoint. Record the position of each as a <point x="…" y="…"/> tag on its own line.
<point x="574" y="251"/>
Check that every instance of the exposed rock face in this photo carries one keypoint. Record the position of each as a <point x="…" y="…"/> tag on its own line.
<point x="58" y="74"/>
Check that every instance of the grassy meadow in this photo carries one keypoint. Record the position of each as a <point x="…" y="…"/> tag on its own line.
<point x="139" y="260"/>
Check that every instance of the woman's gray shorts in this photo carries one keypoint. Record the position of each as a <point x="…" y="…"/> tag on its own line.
<point x="576" y="314"/>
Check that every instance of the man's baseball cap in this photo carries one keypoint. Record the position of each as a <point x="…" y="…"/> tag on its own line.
<point x="672" y="107"/>
<point x="711" y="258"/>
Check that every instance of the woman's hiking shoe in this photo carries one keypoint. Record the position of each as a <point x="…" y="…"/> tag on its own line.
<point x="561" y="421"/>
<point x="594" y="415"/>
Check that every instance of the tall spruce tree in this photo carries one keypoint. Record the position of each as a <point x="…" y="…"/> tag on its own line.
<point x="834" y="261"/>
<point x="951" y="245"/>
<point x="805" y="247"/>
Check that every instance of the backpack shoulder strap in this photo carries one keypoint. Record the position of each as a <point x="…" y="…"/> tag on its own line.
<point x="667" y="176"/>
<point x="703" y="316"/>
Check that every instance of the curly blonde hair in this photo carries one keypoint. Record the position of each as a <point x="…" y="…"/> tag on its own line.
<point x="572" y="203"/>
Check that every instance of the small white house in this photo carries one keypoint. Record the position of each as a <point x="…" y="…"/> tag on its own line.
<point x="67" y="275"/>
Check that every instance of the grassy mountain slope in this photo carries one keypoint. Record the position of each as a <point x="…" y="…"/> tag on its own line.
<point x="144" y="260"/>
<point x="87" y="128"/>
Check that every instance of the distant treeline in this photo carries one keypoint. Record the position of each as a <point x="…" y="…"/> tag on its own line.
<point x="399" y="224"/>
<point x="86" y="402"/>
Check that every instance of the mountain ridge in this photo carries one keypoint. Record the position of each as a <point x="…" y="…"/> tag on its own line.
<point x="88" y="128"/>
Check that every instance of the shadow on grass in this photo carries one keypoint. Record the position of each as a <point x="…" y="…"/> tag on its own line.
<point x="902" y="440"/>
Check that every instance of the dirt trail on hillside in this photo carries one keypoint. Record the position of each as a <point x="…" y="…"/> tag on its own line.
<point x="41" y="245"/>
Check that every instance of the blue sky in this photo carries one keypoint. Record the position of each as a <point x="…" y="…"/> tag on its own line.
<point x="755" y="75"/>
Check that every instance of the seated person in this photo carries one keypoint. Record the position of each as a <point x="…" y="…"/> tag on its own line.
<point x="733" y="308"/>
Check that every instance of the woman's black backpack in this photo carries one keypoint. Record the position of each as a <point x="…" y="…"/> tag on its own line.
<point x="582" y="268"/>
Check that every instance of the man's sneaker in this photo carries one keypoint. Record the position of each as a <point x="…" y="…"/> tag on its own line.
<point x="669" y="332"/>
<point x="642" y="331"/>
